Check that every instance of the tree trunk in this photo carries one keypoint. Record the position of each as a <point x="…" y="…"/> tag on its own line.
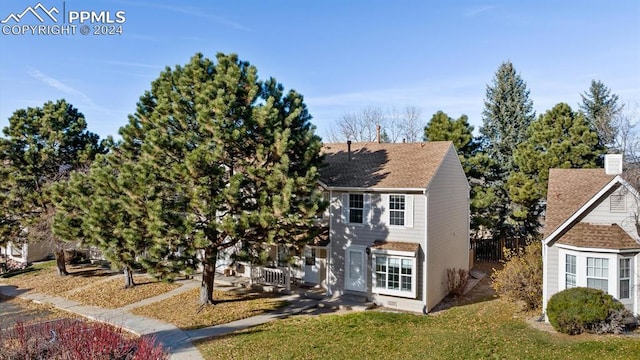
<point x="60" y="263"/>
<point x="128" y="277"/>
<point x="208" y="274"/>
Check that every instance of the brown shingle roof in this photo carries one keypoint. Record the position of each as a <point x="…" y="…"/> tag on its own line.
<point x="373" y="165"/>
<point x="569" y="190"/>
<point x="395" y="245"/>
<point x="598" y="236"/>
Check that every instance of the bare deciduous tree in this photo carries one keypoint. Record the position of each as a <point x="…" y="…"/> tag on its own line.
<point x="395" y="125"/>
<point x="411" y="124"/>
<point x="358" y="127"/>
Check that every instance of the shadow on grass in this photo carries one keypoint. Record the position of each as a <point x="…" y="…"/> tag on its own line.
<point x="247" y="297"/>
<point x="10" y="292"/>
<point x="481" y="292"/>
<point x="18" y="272"/>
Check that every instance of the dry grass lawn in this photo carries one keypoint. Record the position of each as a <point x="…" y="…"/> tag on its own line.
<point x="112" y="294"/>
<point x="184" y="311"/>
<point x="44" y="279"/>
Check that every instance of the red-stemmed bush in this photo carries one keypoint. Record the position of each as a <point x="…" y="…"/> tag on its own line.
<point x="69" y="339"/>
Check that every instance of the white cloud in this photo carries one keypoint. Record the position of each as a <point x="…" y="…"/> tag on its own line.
<point x="59" y="85"/>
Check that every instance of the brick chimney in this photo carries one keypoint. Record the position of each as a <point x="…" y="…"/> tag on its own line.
<point x="378" y="133"/>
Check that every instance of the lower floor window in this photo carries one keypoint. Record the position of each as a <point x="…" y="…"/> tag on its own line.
<point x="395" y="275"/>
<point x="598" y="273"/>
<point x="625" y="275"/>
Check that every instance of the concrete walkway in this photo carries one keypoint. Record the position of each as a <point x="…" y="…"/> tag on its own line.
<point x="179" y="342"/>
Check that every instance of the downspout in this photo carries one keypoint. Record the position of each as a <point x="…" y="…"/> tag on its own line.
<point x="330" y="246"/>
<point x="425" y="282"/>
<point x="636" y="293"/>
<point x="544" y="279"/>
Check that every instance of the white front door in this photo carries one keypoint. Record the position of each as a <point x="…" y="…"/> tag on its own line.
<point x="355" y="272"/>
<point x="311" y="266"/>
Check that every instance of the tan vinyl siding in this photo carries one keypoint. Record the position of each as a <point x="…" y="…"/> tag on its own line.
<point x="602" y="214"/>
<point x="344" y="235"/>
<point x="448" y="226"/>
<point x="552" y="272"/>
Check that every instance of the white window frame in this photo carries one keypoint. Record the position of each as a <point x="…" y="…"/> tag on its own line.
<point x="356" y="208"/>
<point x="604" y="271"/>
<point x="624" y="276"/>
<point x="568" y="273"/>
<point x="366" y="208"/>
<point x="408" y="210"/>
<point x="399" y="255"/>
<point x="401" y="203"/>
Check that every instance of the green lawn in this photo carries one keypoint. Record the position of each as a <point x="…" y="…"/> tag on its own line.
<point x="487" y="330"/>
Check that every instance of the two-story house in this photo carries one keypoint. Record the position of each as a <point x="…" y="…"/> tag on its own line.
<point x="592" y="233"/>
<point x="398" y="219"/>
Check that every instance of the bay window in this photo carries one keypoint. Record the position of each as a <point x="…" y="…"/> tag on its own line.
<point x="598" y="273"/>
<point x="395" y="275"/>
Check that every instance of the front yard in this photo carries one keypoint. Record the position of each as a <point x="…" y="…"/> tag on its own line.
<point x="486" y="330"/>
<point x="184" y="311"/>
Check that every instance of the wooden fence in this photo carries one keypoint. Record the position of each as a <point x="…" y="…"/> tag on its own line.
<point x="491" y="250"/>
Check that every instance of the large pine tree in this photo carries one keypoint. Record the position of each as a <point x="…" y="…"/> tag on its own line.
<point x="561" y="138"/>
<point x="41" y="146"/>
<point x="233" y="158"/>
<point x="507" y="114"/>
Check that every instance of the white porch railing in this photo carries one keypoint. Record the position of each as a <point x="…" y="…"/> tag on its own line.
<point x="271" y="276"/>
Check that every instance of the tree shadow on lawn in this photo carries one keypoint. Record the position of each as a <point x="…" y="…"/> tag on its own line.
<point x="247" y="296"/>
<point x="481" y="292"/>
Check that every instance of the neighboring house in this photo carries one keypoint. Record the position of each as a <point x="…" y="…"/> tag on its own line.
<point x="591" y="233"/>
<point x="398" y="219"/>
<point x="26" y="253"/>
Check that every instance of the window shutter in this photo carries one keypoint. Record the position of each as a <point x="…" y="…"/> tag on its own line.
<point x="366" y="211"/>
<point x="384" y="200"/>
<point x="345" y="208"/>
<point x="408" y="213"/>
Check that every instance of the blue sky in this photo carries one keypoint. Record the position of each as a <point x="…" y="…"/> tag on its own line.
<point x="341" y="55"/>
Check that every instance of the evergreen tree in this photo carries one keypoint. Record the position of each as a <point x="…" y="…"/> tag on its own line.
<point x="443" y="128"/>
<point x="233" y="158"/>
<point x="41" y="146"/>
<point x="561" y="138"/>
<point x="600" y="108"/>
<point x="506" y="116"/>
<point x="103" y="208"/>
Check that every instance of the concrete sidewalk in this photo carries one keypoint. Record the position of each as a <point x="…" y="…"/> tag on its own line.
<point x="177" y="341"/>
<point x="168" y="335"/>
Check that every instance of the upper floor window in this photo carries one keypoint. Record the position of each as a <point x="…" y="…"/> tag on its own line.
<point x="356" y="208"/>
<point x="397" y="209"/>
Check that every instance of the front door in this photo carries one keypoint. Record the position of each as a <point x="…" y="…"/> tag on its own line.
<point x="355" y="274"/>
<point x="311" y="266"/>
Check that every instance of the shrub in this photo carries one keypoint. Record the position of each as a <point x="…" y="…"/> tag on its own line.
<point x="74" y="339"/>
<point x="521" y="277"/>
<point x="457" y="281"/>
<point x="576" y="310"/>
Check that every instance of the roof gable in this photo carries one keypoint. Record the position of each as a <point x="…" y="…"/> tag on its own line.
<point x="374" y="165"/>
<point x="568" y="191"/>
